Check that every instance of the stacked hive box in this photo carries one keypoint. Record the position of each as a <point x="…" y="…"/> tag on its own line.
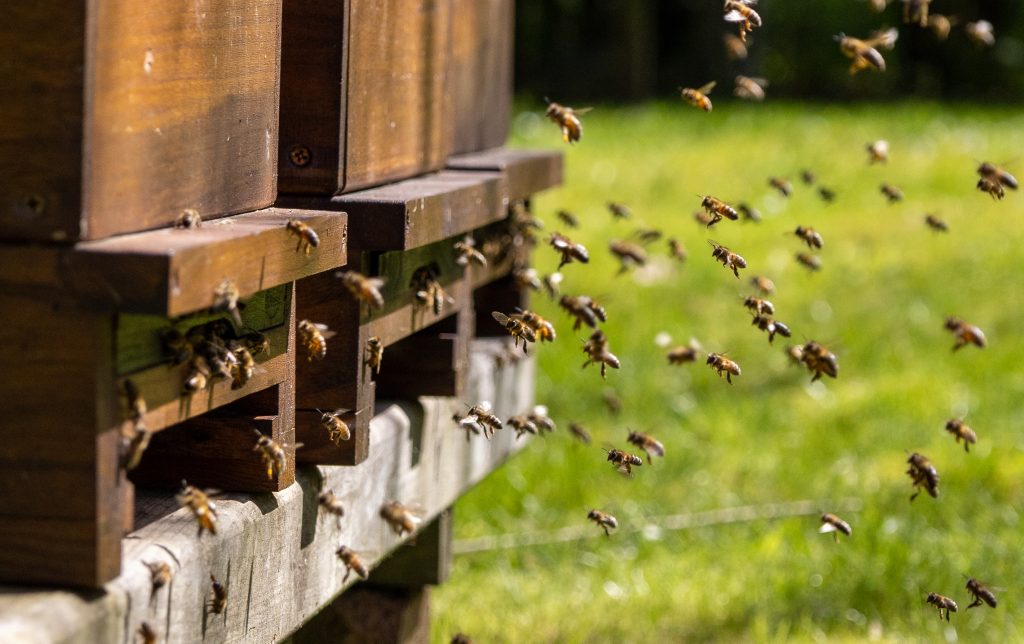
<point x="378" y="124"/>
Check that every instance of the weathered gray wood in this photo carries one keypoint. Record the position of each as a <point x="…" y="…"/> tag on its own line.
<point x="526" y="172"/>
<point x="426" y="561"/>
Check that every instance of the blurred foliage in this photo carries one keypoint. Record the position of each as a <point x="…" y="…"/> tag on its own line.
<point x="573" y="50"/>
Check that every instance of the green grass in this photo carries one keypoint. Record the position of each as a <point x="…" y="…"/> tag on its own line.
<point x="887" y="285"/>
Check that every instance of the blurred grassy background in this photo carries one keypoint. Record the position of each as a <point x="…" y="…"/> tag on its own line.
<point x="887" y="285"/>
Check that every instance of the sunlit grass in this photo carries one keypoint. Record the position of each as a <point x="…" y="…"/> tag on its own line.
<point x="887" y="285"/>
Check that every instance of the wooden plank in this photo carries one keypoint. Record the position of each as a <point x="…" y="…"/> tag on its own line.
<point x="481" y="72"/>
<point x="526" y="172"/>
<point x="371" y="615"/>
<point x="427" y="561"/>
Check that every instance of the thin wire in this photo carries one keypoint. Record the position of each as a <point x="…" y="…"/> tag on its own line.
<point x="720" y="516"/>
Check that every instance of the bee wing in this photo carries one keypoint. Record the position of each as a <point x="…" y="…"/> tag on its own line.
<point x="657" y="447"/>
<point x="734" y="16"/>
<point x="540" y="410"/>
<point x="500" y="317"/>
<point x="826" y="528"/>
<point x="706" y="88"/>
<point x="485" y="405"/>
<point x="376" y="282"/>
<point x="582" y="110"/>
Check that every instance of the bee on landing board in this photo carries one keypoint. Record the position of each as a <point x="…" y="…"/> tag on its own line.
<point x="980" y="594"/>
<point x="365" y="289"/>
<point x="698" y="97"/>
<point x="604" y="520"/>
<point x="810" y="236"/>
<point x="942" y="603"/>
<point x="308" y="239"/>
<point x="331" y="505"/>
<point x="863" y="54"/>
<point x="728" y="258"/>
<point x="374" y="353"/>
<point x="751" y="89"/>
<point x="961" y="431"/>
<point x="159" y="576"/>
<point x="401" y="519"/>
<point x="314" y="336"/>
<point x="723" y="365"/>
<point x="218" y="596"/>
<point x="568" y="120"/>
<point x="936" y="224"/>
<point x="624" y="462"/>
<point x="146" y="633"/>
<point x="203" y="509"/>
<point x="923" y="475"/>
<point x="835" y="525"/>
<point x="597" y="352"/>
<point x="352" y="563"/>
<point x="647" y="444"/>
<point x="188" y="219"/>
<point x="739" y="11"/>
<point x="965" y="333"/>
<point x="717" y="209"/>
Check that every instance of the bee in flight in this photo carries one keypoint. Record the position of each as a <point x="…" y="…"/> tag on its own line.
<point x="159" y="575"/>
<point x="980" y="33"/>
<point x="568" y="219"/>
<point x="863" y="54"/>
<point x="272" y="453"/>
<point x="314" y="336"/>
<point x="147" y="633"/>
<point x="225" y="298"/>
<point x="759" y="306"/>
<point x="819" y="360"/>
<point x="980" y="594"/>
<point x="735" y="48"/>
<point x="878" y="151"/>
<point x="961" y="431"/>
<point x="308" y="239"/>
<point x="624" y="462"/>
<point x="604" y="520"/>
<point x="828" y="195"/>
<point x="923" y="475"/>
<point x="628" y="254"/>
<point x="518" y="329"/>
<point x="808" y="261"/>
<point x="936" y="224"/>
<point x="698" y="97"/>
<point x="597" y="351"/>
<point x="337" y="429"/>
<point x="374" y="353"/>
<point x="569" y="250"/>
<point x="891" y="192"/>
<point x="992" y="179"/>
<point x="940" y="25"/>
<point x="580" y="433"/>
<point x="568" y="120"/>
<point x="466" y="252"/>
<point x="916" y="11"/>
<point x="724" y="365"/>
<point x="619" y="210"/>
<point x="364" y="289"/>
<point x="522" y="425"/>
<point x="728" y="258"/>
<point x="352" y="563"/>
<point x="749" y="213"/>
<point x="810" y="236"/>
<point x="585" y="309"/>
<point x="684" y="354"/>
<point x="942" y="603"/>
<point x="965" y="333"/>
<point x="647" y="443"/>
<point x="401" y="519"/>
<point x="717" y="209"/>
<point x="784" y="187"/>
<point x="331" y="505"/>
<point x="751" y="89"/>
<point x="835" y="525"/>
<point x="739" y="11"/>
<point x="771" y="326"/>
<point x="676" y="250"/>
<point x="763" y="285"/>
<point x="203" y="509"/>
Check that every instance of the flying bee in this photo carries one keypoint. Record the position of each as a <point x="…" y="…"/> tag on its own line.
<point x="522" y="425"/>
<point x="308" y="239"/>
<point x="619" y="210"/>
<point x="749" y="213"/>
<point x="717" y="209"/>
<point x="225" y="298"/>
<point x="580" y="433"/>
<point x="197" y="376"/>
<point x="147" y="633"/>
<point x="364" y="289"/>
<point x="647" y="444"/>
<point x="482" y="414"/>
<point x="810" y="236"/>
<point x="835" y="525"/>
<point x="597" y="352"/>
<point x="891" y="192"/>
<point x="518" y="329"/>
<point x="568" y="120"/>
<point x="980" y="33"/>
<point x="784" y="187"/>
<point x="581" y="308"/>
<point x="624" y="462"/>
<point x="936" y="224"/>
<point x="352" y="563"/>
<point x="751" y="89"/>
<point x="808" y="261"/>
<point x="203" y="509"/>
<point x="728" y="258"/>
<point x="808" y="177"/>
<point x="739" y="11"/>
<point x="331" y="505"/>
<point x="245" y="369"/>
<point x="471" y="424"/>
<point x="924" y="475"/>
<point x="628" y="254"/>
<point x="959" y="430"/>
<point x="698" y="97"/>
<point x="992" y="187"/>
<point x="819" y="360"/>
<point x="771" y="326"/>
<point x="863" y="54"/>
<point x="942" y="604"/>
<point x="159" y="576"/>
<point x="189" y="218"/>
<point x="965" y="333"/>
<point x="878" y="151"/>
<point x="604" y="520"/>
<point x="795" y="353"/>
<point x="684" y="354"/>
<point x="552" y="284"/>
<point x="428" y="289"/>
<point x="401" y="519"/>
<point x="218" y="596"/>
<point x="466" y="252"/>
<point x="995" y="174"/>
<point x="569" y="250"/>
<point x="374" y="353"/>
<point x="314" y="336"/>
<point x="763" y="285"/>
<point x="721" y="364"/>
<point x="980" y="594"/>
<point x="337" y="429"/>
<point x="611" y="401"/>
<point x="526" y="278"/>
<point x="884" y="39"/>
<point x="703" y="218"/>
<point x="271" y="452"/>
<point x="544" y="330"/>
<point x="940" y="25"/>
<point x="539" y="417"/>
<point x="676" y="250"/>
<point x="828" y="195"/>
<point x="648" y="235"/>
<point x="759" y="306"/>
<point x="735" y="48"/>
<point x="134" y="444"/>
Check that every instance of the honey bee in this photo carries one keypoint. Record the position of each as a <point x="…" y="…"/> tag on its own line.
<point x="759" y="306"/>
<point x="884" y="39"/>
<point x="940" y="25"/>
<point x="647" y="444"/>
<point x="147" y="633"/>
<point x="808" y="177"/>
<point x="159" y="576"/>
<point x="965" y="333"/>
<point x="835" y="525"/>
<point x="337" y="429"/>
<point x="352" y="563"/>
<point x="676" y="250"/>
<point x="374" y="353"/>
<point x="568" y="218"/>
<point x="245" y="368"/>
<point x="543" y="330"/>
<point x="749" y="213"/>
<point x="522" y="425"/>
<point x="717" y="209"/>
<point x="197" y="377"/>
<point x="526" y="278"/>
<point x="569" y="250"/>
<point x="428" y="289"/>
<point x="225" y="298"/>
<point x="568" y="119"/>
<point x="401" y="519"/>
<point x="819" y="360"/>
<point x="472" y="426"/>
<point x="624" y="462"/>
<point x="878" y="151"/>
<point x="721" y="364"/>
<point x="980" y="594"/>
<point x="308" y="239"/>
<point x="828" y="195"/>
<point x="648" y="235"/>
<point x="331" y="505"/>
<point x="942" y="604"/>
<point x="936" y="224"/>
<point x="539" y="417"/>
<point x="702" y="218"/>
<point x="862" y="53"/>
<point x="924" y="475"/>
<point x="810" y="236"/>
<point x="891" y="192"/>
<point x="273" y="454"/>
<point x="189" y="218"/>
<point x="784" y="187"/>
<point x="518" y="329"/>
<point x="256" y="342"/>
<point x="364" y="289"/>
<point x="684" y="354"/>
<point x="698" y="97"/>
<point x="176" y="346"/>
<point x="996" y="175"/>
<point x="992" y="187"/>
<point x="218" y="596"/>
<point x="728" y="258"/>
<point x="619" y="210"/>
<point x="959" y="430"/>
<point x="580" y="433"/>
<point x="628" y="254"/>
<point x="739" y="11"/>
<point x="203" y="509"/>
<point x="584" y="309"/>
<point x="481" y="413"/>
<point x="552" y="284"/>
<point x="597" y="351"/>
<point x="751" y="89"/>
<point x="135" y="443"/>
<point x="771" y="326"/>
<point x="604" y="520"/>
<point x="735" y="48"/>
<point x="980" y="33"/>
<point x="466" y="252"/>
<point x="808" y="261"/>
<point x="611" y="401"/>
<point x="763" y="285"/>
<point x="314" y="336"/>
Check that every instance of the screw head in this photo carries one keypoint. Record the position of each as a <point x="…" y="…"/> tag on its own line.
<point x="300" y="156"/>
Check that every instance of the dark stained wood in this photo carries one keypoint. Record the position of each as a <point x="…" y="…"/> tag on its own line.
<point x="481" y="72"/>
<point x="426" y="560"/>
<point x="369" y="615"/>
<point x="526" y="172"/>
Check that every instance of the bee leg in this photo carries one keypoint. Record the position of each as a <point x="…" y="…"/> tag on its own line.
<point x="976" y="602"/>
<point x="914" y="495"/>
<point x="728" y="377"/>
<point x="606" y="533"/>
<point x="835" y="535"/>
<point x="967" y="447"/>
